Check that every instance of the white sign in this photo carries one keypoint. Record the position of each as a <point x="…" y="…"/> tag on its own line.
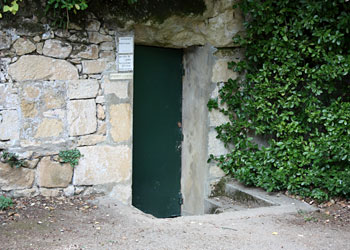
<point x="126" y="45"/>
<point x="125" y="63"/>
<point x="120" y="76"/>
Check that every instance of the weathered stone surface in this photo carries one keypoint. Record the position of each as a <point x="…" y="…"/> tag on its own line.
<point x="215" y="146"/>
<point x="30" y="67"/>
<point x="9" y="125"/>
<point x="81" y="37"/>
<point x="100" y="112"/>
<point x="25" y="193"/>
<point x="81" y="117"/>
<point x="118" y="88"/>
<point x="85" y="52"/>
<point x="216" y="118"/>
<point x="32" y="163"/>
<point x="94" y="66"/>
<point x="82" y="89"/>
<point x="62" y="33"/>
<point x="31" y="92"/>
<point x="102" y="128"/>
<point x="221" y="73"/>
<point x="216" y="172"/>
<point x="8" y="100"/>
<point x="39" y="48"/>
<point x="108" y="55"/>
<point x="216" y="26"/>
<point x="48" y="192"/>
<point x="15" y="178"/>
<point x="28" y="109"/>
<point x="5" y="40"/>
<point x="107" y="46"/>
<point x="103" y="164"/>
<point x="23" y="46"/>
<point x="53" y="174"/>
<point x="57" y="48"/>
<point x="49" y="128"/>
<point x="95" y="37"/>
<point x="93" y="25"/>
<point x="53" y="99"/>
<point x="100" y="99"/>
<point x="69" y="191"/>
<point x="89" y="140"/>
<point x="4" y="63"/>
<point x="122" y="193"/>
<point x="120" y="121"/>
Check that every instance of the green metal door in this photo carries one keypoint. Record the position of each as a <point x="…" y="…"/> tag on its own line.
<point x="157" y="134"/>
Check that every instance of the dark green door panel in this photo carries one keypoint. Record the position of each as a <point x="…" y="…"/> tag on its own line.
<point x="156" y="134"/>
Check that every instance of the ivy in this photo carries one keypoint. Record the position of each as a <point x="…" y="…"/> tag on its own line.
<point x="294" y="92"/>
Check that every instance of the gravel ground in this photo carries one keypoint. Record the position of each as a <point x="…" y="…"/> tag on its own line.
<point x="75" y="223"/>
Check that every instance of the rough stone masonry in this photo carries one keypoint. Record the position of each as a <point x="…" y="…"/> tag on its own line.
<point x="56" y="94"/>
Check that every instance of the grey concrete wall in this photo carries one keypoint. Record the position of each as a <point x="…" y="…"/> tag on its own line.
<point x="198" y="62"/>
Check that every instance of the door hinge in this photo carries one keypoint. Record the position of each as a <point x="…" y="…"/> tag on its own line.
<point x="181" y="199"/>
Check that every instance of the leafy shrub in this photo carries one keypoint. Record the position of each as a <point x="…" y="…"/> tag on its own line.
<point x="12" y="159"/>
<point x="5" y="202"/>
<point x="294" y="90"/>
<point x="71" y="156"/>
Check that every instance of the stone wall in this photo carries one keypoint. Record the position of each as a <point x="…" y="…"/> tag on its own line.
<point x="55" y="94"/>
<point x="63" y="89"/>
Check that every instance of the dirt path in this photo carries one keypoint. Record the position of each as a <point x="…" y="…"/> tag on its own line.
<point x="110" y="225"/>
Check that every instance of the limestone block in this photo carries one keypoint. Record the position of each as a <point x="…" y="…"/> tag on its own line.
<point x="15" y="178"/>
<point x="53" y="174"/>
<point x="94" y="66"/>
<point x="216" y="172"/>
<point x="103" y="164"/>
<point x="81" y="89"/>
<point x="28" y="109"/>
<point x="9" y="125"/>
<point x="215" y="146"/>
<point x="95" y="37"/>
<point x="53" y="99"/>
<point x="25" y="193"/>
<point x="32" y="163"/>
<point x="216" y="118"/>
<point x="5" y="40"/>
<point x="221" y="73"/>
<point x="223" y="27"/>
<point x="49" y="192"/>
<point x="69" y="191"/>
<point x="81" y="37"/>
<point x="81" y="117"/>
<point x="31" y="67"/>
<point x="62" y="33"/>
<point x="56" y="48"/>
<point x="8" y="100"/>
<point x="93" y="25"/>
<point x="100" y="112"/>
<point x="39" y="48"/>
<point x="49" y="128"/>
<point x="118" y="88"/>
<point x="23" y="46"/>
<point x="122" y="193"/>
<point x="108" y="55"/>
<point x="89" y="140"/>
<point x="100" y="99"/>
<point x="85" y="52"/>
<point x="31" y="91"/>
<point x="107" y="46"/>
<point x="120" y="122"/>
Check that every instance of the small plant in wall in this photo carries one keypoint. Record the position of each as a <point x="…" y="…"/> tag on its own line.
<point x="12" y="159"/>
<point x="71" y="156"/>
<point x="5" y="202"/>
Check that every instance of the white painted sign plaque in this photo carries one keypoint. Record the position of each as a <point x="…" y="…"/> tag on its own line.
<point x="126" y="45"/>
<point x="125" y="63"/>
<point x="120" y="76"/>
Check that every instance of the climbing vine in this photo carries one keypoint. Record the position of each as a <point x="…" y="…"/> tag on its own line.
<point x="294" y="93"/>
